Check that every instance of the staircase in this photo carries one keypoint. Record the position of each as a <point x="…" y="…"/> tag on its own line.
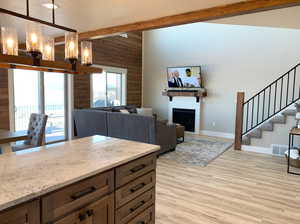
<point x="270" y="106"/>
<point x="268" y="126"/>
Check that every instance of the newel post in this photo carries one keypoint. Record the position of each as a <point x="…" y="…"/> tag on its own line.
<point x="239" y="120"/>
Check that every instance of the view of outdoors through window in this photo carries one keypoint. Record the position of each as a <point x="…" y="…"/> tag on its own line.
<point x="107" y="89"/>
<point x="26" y="100"/>
<point x="48" y="98"/>
<point x="55" y="106"/>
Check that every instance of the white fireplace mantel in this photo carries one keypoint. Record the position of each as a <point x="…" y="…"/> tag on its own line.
<point x="186" y="103"/>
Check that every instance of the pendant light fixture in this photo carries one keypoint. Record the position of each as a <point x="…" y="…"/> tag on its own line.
<point x="71" y="48"/>
<point x="43" y="51"/>
<point x="34" y="39"/>
<point x="86" y="53"/>
<point x="9" y="39"/>
<point x="49" y="49"/>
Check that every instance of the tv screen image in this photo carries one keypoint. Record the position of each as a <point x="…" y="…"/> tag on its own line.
<point x="184" y="77"/>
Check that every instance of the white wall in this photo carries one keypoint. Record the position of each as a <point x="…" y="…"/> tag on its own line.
<point x="233" y="58"/>
<point x="279" y="18"/>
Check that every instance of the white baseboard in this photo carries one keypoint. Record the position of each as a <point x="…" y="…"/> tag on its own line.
<point x="217" y="134"/>
<point x="258" y="149"/>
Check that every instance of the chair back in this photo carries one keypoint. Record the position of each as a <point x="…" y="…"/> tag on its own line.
<point x="36" y="129"/>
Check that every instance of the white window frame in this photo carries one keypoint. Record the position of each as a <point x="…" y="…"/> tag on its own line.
<point x="108" y="69"/>
<point x="69" y="103"/>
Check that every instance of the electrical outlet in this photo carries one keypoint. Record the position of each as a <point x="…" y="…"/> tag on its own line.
<point x="213" y="124"/>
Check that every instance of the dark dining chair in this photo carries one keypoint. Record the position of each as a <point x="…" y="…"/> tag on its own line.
<point x="35" y="132"/>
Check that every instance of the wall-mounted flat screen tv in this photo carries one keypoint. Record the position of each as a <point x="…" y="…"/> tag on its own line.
<point x="184" y="77"/>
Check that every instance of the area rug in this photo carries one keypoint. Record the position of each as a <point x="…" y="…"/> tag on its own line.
<point x="198" y="150"/>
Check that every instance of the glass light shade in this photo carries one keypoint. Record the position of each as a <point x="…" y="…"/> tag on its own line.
<point x="9" y="39"/>
<point x="34" y="38"/>
<point x="49" y="50"/>
<point x="71" y="46"/>
<point x="86" y="53"/>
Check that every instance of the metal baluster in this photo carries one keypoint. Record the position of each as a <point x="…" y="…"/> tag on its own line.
<point x="275" y="97"/>
<point x="269" y="102"/>
<point x="263" y="110"/>
<point x="281" y="92"/>
<point x="252" y="112"/>
<point x="247" y="116"/>
<point x="287" y="90"/>
<point x="257" y="109"/>
<point x="294" y="84"/>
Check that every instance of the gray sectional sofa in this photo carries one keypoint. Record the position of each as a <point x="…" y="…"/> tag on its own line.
<point x="110" y="122"/>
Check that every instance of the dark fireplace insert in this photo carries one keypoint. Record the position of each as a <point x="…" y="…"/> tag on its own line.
<point x="185" y="117"/>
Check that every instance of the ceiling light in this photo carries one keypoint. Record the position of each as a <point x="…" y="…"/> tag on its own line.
<point x="50" y="6"/>
<point x="125" y="35"/>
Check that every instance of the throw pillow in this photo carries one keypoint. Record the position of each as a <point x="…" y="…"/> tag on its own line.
<point x="124" y="111"/>
<point x="145" y="111"/>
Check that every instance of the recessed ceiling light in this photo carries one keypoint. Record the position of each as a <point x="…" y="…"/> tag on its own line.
<point x="50" y="6"/>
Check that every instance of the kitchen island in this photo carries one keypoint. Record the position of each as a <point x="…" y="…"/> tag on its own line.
<point x="84" y="181"/>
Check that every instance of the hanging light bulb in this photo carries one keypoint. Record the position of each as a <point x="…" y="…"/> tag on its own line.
<point x="9" y="41"/>
<point x="71" y="48"/>
<point x="49" y="49"/>
<point x="34" y="39"/>
<point x="86" y="53"/>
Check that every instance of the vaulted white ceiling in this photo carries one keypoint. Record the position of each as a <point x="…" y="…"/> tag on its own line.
<point x="86" y="15"/>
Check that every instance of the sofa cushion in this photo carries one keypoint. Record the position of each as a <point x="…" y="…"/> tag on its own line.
<point x="131" y="126"/>
<point x="90" y="122"/>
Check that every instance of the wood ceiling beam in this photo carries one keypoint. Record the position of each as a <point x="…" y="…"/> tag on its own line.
<point x="228" y="10"/>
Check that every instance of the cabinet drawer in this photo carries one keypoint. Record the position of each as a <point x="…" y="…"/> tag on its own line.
<point x="101" y="211"/>
<point x="133" y="208"/>
<point x="26" y="213"/>
<point x="147" y="217"/>
<point x="76" y="195"/>
<point x="137" y="168"/>
<point x="134" y="189"/>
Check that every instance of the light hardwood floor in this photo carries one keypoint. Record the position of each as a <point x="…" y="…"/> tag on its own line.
<point x="237" y="188"/>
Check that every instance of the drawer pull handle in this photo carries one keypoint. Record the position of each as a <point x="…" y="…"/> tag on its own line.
<point x="141" y="222"/>
<point x="90" y="212"/>
<point x="137" y="187"/>
<point x="83" y="193"/>
<point x="81" y="217"/>
<point x="140" y="204"/>
<point x="137" y="168"/>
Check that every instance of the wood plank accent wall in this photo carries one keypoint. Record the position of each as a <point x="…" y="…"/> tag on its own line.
<point x="125" y="53"/>
<point x="4" y="103"/>
<point x="116" y="52"/>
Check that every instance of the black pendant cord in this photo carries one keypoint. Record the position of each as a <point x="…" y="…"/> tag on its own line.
<point x="27" y="8"/>
<point x="53" y="12"/>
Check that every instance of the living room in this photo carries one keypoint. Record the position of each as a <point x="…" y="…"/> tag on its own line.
<point x="163" y="114"/>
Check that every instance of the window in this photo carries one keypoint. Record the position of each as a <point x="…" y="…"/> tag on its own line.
<point x="40" y="92"/>
<point x="109" y="87"/>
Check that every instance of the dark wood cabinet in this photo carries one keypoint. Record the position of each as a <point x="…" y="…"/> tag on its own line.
<point x="99" y="212"/>
<point x="146" y="217"/>
<point x="135" y="169"/>
<point x="28" y="213"/>
<point x="135" y="188"/>
<point x="75" y="196"/>
<point x="122" y="195"/>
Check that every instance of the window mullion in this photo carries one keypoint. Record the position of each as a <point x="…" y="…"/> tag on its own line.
<point x="41" y="90"/>
<point x="106" y="98"/>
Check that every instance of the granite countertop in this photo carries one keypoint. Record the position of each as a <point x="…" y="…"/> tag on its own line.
<point x="28" y="174"/>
